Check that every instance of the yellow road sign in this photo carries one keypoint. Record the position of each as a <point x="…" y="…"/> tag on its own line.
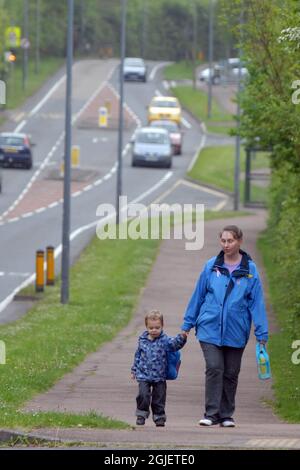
<point x="103" y="117"/>
<point x="13" y="36"/>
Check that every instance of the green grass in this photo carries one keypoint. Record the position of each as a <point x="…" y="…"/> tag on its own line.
<point x="15" y="93"/>
<point x="286" y="375"/>
<point x="52" y="339"/>
<point x="195" y="101"/>
<point x="180" y="71"/>
<point x="215" y="166"/>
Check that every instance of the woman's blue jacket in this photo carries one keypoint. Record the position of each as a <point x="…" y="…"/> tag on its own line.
<point x="223" y="306"/>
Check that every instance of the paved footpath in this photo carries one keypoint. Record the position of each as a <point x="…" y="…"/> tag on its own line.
<point x="102" y="382"/>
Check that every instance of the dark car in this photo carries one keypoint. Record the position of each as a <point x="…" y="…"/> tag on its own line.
<point x="135" y="69"/>
<point x="15" y="150"/>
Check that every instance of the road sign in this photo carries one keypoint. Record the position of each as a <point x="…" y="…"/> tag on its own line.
<point x="103" y="117"/>
<point x="25" y="43"/>
<point x="13" y="36"/>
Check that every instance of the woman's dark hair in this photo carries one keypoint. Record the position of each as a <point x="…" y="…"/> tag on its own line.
<point x="236" y="232"/>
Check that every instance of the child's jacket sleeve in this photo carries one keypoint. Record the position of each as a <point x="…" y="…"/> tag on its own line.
<point x="136" y="360"/>
<point x="175" y="343"/>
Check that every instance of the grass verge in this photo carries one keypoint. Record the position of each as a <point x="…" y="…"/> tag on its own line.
<point x="180" y="71"/>
<point x="15" y="93"/>
<point x="52" y="338"/>
<point x="195" y="101"/>
<point x="215" y="166"/>
<point x="286" y="374"/>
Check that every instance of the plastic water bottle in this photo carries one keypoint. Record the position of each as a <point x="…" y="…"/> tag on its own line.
<point x="263" y="362"/>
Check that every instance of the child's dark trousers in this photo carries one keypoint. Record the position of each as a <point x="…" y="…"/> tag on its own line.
<point x="152" y="394"/>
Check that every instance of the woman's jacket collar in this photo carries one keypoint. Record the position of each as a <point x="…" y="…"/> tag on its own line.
<point x="243" y="269"/>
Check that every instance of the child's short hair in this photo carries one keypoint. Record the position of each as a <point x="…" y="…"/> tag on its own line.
<point x="154" y="315"/>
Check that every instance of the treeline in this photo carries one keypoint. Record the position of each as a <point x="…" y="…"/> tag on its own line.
<point x="271" y="118"/>
<point x="156" y="29"/>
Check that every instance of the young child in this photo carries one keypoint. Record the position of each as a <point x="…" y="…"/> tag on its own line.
<point x="149" y="368"/>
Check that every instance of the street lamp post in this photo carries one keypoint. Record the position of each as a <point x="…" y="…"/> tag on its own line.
<point x="37" y="36"/>
<point x="25" y="45"/>
<point x="121" y="105"/>
<point x="236" y="198"/>
<point x="65" y="264"/>
<point x="210" y="56"/>
<point x="195" y="34"/>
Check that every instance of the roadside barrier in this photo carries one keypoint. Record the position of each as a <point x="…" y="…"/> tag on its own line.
<point x="39" y="281"/>
<point x="50" y="266"/>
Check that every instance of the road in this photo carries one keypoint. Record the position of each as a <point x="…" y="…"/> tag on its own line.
<point x="31" y="202"/>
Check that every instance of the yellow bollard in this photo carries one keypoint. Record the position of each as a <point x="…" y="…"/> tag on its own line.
<point x="50" y="266"/>
<point x="75" y="156"/>
<point x="39" y="281"/>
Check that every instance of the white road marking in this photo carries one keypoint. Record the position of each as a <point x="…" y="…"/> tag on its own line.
<point x="166" y="85"/>
<point x="56" y="145"/>
<point x="47" y="96"/>
<point x="186" y="123"/>
<point x="201" y="146"/>
<point x="156" y="68"/>
<point x="78" y="232"/>
<point x="20" y="126"/>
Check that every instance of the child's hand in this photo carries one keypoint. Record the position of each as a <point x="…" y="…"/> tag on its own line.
<point x="132" y="376"/>
<point x="185" y="334"/>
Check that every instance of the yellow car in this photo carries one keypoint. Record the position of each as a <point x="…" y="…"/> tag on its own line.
<point x="164" y="107"/>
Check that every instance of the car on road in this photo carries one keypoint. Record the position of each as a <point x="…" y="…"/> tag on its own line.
<point x="135" y="69"/>
<point x="164" y="107"/>
<point x="15" y="150"/>
<point x="152" y="147"/>
<point x="175" y="133"/>
<point x="213" y="73"/>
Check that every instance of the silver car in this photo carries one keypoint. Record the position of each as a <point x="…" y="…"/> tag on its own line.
<point x="135" y="69"/>
<point x="152" y="147"/>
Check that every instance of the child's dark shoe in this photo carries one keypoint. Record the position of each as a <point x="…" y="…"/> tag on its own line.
<point x="160" y="422"/>
<point x="140" y="420"/>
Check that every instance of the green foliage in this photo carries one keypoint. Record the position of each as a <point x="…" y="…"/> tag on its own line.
<point x="270" y="41"/>
<point x="156" y="29"/>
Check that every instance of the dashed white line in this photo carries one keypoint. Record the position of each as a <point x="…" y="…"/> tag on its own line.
<point x="76" y="233"/>
<point x="186" y="123"/>
<point x="20" y="126"/>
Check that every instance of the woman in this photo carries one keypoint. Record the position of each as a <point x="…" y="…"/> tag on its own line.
<point x="227" y="297"/>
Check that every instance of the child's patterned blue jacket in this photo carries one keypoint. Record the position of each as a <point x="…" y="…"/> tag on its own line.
<point x="150" y="360"/>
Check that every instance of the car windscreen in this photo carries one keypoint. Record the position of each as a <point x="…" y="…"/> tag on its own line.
<point x="165" y="104"/>
<point x="11" y="140"/>
<point x="134" y="63"/>
<point x="152" y="138"/>
<point x="170" y="126"/>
